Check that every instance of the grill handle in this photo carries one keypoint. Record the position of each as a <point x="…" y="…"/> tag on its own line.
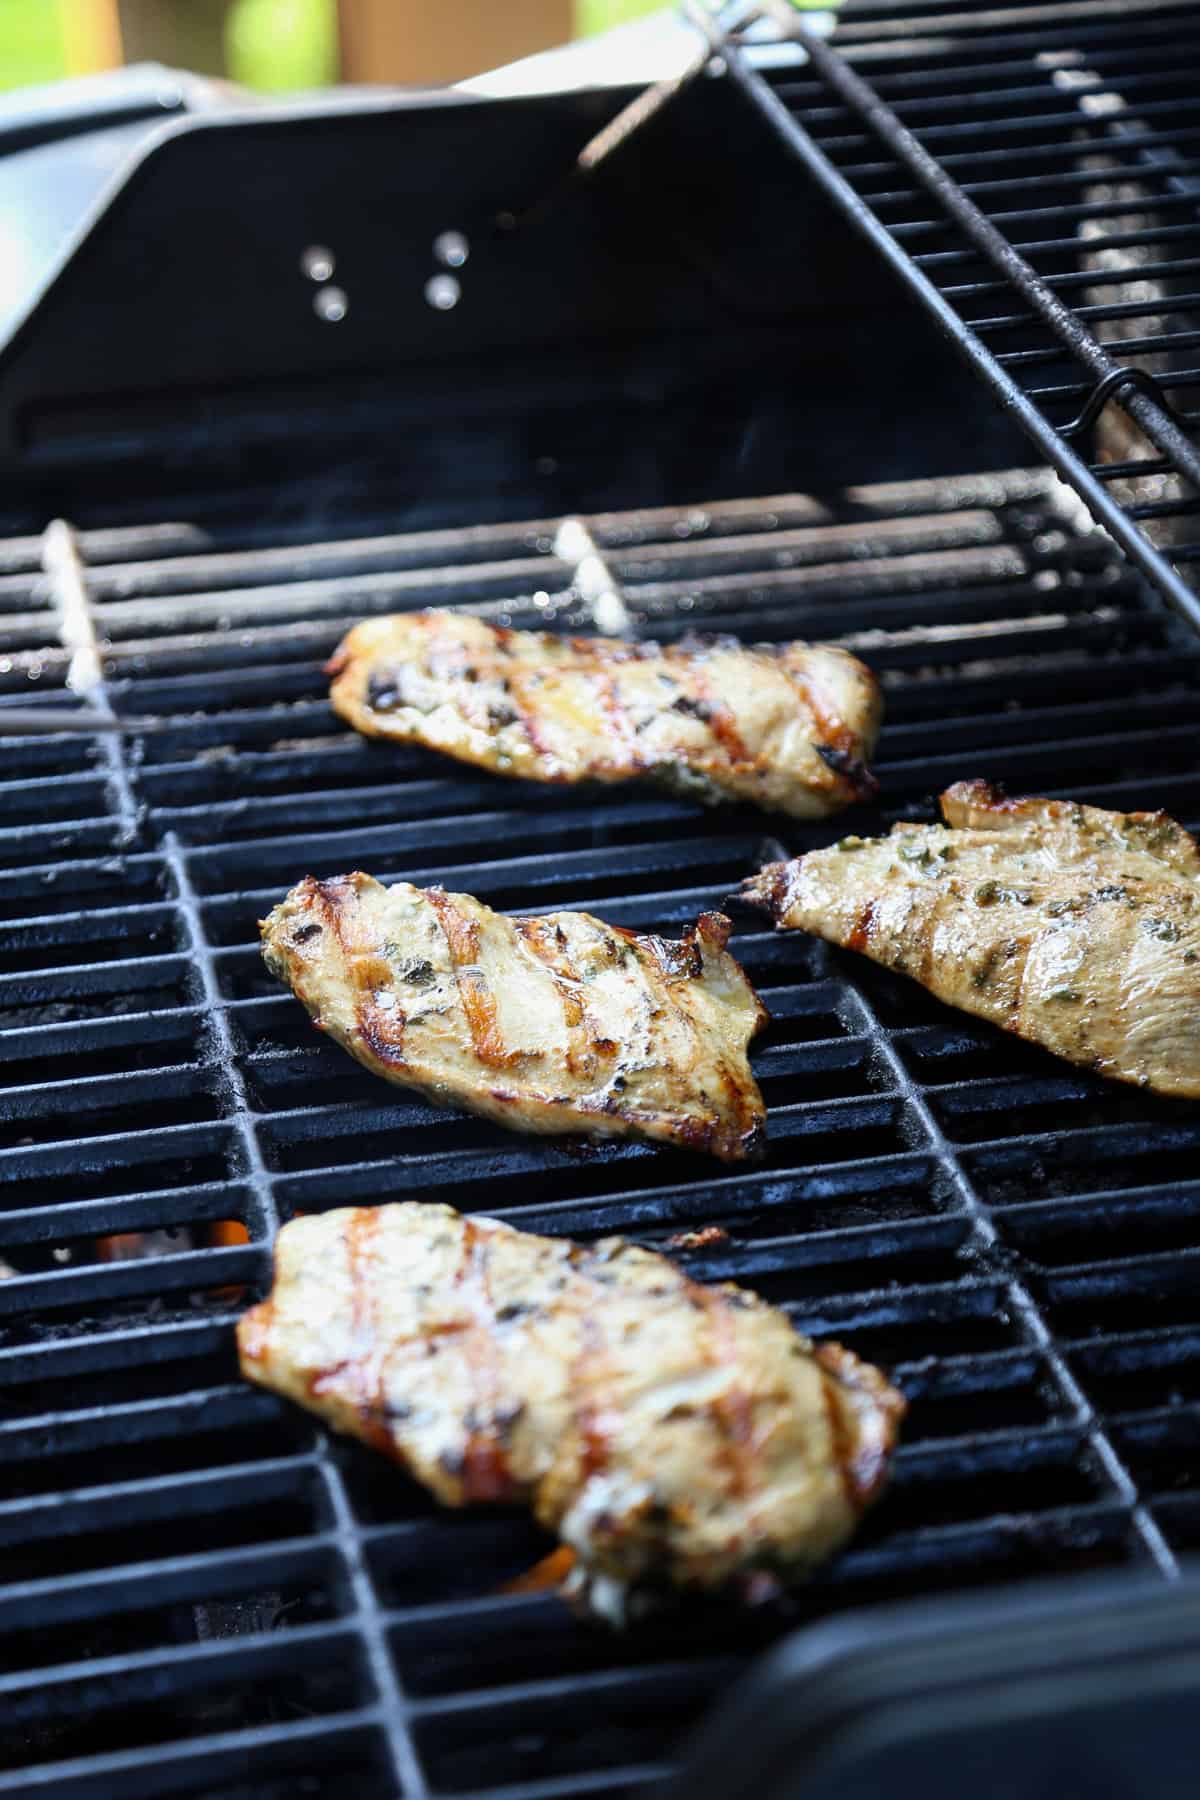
<point x="1073" y="1690"/>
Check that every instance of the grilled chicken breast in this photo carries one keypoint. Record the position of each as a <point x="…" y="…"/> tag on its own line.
<point x="669" y="1432"/>
<point x="789" y="728"/>
<point x="555" y="1024"/>
<point x="1071" y="926"/>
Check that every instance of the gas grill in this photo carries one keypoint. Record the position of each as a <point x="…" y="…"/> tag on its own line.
<point x="203" y="1592"/>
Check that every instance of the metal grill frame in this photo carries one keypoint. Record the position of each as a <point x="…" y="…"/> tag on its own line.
<point x="1139" y="394"/>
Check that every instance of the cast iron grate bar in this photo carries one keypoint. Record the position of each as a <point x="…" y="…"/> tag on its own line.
<point x="1082" y="121"/>
<point x="931" y="1192"/>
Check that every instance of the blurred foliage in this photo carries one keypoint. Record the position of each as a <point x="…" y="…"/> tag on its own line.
<point x="273" y="45"/>
<point x="598" y="15"/>
<point x="277" y="45"/>
<point x="31" y="42"/>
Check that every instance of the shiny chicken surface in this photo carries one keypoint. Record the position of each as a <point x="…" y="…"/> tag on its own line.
<point x="670" y="1433"/>
<point x="788" y="728"/>
<point x="1068" y="925"/>
<point x="554" y="1024"/>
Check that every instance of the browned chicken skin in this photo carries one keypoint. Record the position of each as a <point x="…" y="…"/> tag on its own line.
<point x="670" y="1433"/>
<point x="551" y="1024"/>
<point x="788" y="727"/>
<point x="1071" y="926"/>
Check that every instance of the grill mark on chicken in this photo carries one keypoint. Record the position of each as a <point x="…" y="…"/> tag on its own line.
<point x="593" y="1028"/>
<point x="329" y="896"/>
<point x="525" y="705"/>
<point x="591" y="1416"/>
<point x="485" y="1471"/>
<point x="1069" y="925"/>
<point x="626" y="750"/>
<point x="668" y="1430"/>
<point x="363" y="1369"/>
<point x="788" y="727"/>
<point x="731" y="1408"/>
<point x="382" y="1030"/>
<point x="720" y="720"/>
<point x="479" y="1003"/>
<point x="547" y="942"/>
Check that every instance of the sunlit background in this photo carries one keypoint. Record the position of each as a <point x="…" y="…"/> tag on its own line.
<point x="277" y="45"/>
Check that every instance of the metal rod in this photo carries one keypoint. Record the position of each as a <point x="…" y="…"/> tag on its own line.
<point x="631" y="119"/>
<point x="28" y="721"/>
<point x="1057" y="452"/>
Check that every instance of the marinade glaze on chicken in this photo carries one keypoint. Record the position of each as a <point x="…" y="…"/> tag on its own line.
<point x="553" y="1024"/>
<point x="787" y="727"/>
<point x="670" y="1433"/>
<point x="1074" y="927"/>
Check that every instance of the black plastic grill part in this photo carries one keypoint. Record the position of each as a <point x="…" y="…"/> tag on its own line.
<point x="1030" y="173"/>
<point x="200" y="1591"/>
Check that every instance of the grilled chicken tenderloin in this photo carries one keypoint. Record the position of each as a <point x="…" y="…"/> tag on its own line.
<point x="1074" y="927"/>
<point x="789" y="728"/>
<point x="552" y="1024"/>
<point x="670" y="1433"/>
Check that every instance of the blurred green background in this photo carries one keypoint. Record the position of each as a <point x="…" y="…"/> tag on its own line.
<point x="273" y="45"/>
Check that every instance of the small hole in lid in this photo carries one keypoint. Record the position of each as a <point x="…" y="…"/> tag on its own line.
<point x="442" y="292"/>
<point x="331" y="304"/>
<point x="317" y="262"/>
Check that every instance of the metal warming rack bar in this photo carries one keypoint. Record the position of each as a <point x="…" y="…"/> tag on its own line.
<point x="1030" y="173"/>
<point x="200" y="1591"/>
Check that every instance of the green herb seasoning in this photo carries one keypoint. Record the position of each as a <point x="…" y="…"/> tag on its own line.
<point x="988" y="893"/>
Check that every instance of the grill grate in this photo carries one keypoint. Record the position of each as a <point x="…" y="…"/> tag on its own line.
<point x="1033" y="174"/>
<point x="201" y="1592"/>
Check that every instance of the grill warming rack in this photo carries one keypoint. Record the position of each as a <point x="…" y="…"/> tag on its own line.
<point x="1030" y="174"/>
<point x="201" y="1592"/>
